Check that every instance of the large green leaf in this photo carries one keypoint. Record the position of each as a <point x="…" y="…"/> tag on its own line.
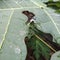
<point x="13" y="28"/>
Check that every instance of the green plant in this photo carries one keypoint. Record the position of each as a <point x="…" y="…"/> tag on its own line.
<point x="13" y="29"/>
<point x="54" y="5"/>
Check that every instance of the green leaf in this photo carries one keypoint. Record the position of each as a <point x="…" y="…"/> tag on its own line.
<point x="54" y="4"/>
<point x="13" y="29"/>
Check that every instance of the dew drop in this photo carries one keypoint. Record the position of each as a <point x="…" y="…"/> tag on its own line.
<point x="11" y="46"/>
<point x="17" y="50"/>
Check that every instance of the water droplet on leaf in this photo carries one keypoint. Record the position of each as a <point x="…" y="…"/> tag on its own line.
<point x="17" y="50"/>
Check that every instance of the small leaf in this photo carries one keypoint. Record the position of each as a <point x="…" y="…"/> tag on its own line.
<point x="54" y="4"/>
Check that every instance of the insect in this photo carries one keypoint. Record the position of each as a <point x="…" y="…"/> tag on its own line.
<point x="45" y="38"/>
<point x="30" y="15"/>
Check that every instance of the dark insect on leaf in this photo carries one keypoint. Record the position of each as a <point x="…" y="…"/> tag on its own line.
<point x="47" y="37"/>
<point x="30" y="15"/>
<point x="36" y="49"/>
<point x="40" y="45"/>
